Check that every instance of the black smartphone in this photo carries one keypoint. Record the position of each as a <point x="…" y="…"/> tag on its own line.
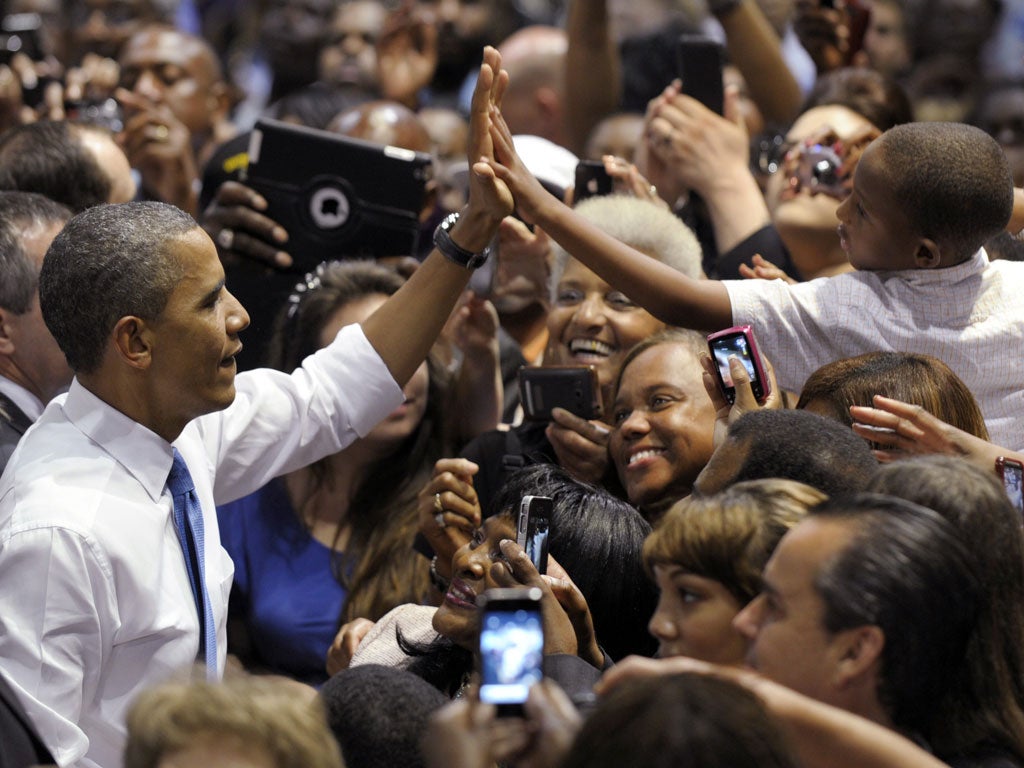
<point x="511" y="647"/>
<point x="1012" y="473"/>
<point x="532" y="528"/>
<point x="572" y="387"/>
<point x="738" y="341"/>
<point x="699" y="63"/>
<point x="592" y="180"/>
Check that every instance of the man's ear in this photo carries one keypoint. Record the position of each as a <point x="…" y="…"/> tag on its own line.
<point x="860" y="654"/>
<point x="928" y="254"/>
<point x="6" y="336"/>
<point x="133" y="341"/>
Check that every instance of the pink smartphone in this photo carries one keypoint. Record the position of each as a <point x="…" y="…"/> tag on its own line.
<point x="738" y="342"/>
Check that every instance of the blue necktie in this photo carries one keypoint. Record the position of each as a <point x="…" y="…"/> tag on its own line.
<point x="188" y="522"/>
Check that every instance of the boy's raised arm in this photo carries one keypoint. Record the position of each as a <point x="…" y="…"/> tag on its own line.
<point x="669" y="295"/>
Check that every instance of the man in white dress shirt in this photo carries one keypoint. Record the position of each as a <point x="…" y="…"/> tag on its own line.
<point x="95" y="600"/>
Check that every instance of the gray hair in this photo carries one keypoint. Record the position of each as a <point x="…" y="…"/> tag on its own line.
<point x="19" y="212"/>
<point x="109" y="262"/>
<point x="640" y="224"/>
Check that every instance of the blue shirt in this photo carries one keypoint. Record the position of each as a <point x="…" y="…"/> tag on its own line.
<point x="285" y="589"/>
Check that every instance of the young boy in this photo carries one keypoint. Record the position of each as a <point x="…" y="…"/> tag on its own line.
<point x="926" y="196"/>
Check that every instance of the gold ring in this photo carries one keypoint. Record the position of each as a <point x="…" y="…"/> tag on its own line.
<point x="160" y="133"/>
<point x="438" y="506"/>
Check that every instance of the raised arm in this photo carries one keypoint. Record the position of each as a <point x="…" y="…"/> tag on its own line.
<point x="403" y="329"/>
<point x="756" y="51"/>
<point x="822" y="735"/>
<point x="667" y="294"/>
<point x="593" y="71"/>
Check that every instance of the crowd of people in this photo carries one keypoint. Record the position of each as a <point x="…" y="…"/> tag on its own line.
<point x="252" y="511"/>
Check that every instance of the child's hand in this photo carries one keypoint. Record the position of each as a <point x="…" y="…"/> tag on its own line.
<point x="762" y="269"/>
<point x="530" y="196"/>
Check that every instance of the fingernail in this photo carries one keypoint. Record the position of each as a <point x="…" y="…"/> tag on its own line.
<point x="282" y="259"/>
<point x="280" y="235"/>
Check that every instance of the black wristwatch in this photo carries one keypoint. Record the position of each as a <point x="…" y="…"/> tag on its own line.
<point x="454" y="253"/>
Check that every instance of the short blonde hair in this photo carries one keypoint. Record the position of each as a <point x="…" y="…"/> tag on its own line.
<point x="266" y="715"/>
<point x="729" y="537"/>
<point x="640" y="224"/>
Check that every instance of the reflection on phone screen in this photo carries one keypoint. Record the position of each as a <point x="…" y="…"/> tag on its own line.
<point x="733" y="346"/>
<point x="1014" y="484"/>
<point x="511" y="650"/>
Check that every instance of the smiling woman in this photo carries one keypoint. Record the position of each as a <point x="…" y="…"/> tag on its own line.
<point x="594" y="323"/>
<point x="664" y="420"/>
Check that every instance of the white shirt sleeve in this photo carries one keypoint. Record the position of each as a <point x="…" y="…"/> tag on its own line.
<point x="281" y="422"/>
<point x="56" y="630"/>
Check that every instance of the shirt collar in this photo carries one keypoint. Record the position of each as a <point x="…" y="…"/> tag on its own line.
<point x="143" y="453"/>
<point x="29" y="404"/>
<point x="945" y="276"/>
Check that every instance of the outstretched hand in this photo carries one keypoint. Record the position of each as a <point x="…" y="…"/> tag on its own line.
<point x="530" y="195"/>
<point x="902" y="429"/>
<point x="488" y="194"/>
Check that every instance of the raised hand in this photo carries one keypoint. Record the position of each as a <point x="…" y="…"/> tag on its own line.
<point x="234" y="219"/>
<point x="448" y="509"/>
<point x="406" y="54"/>
<point x="159" y="147"/>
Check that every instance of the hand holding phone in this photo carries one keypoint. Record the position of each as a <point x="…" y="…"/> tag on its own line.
<point x="511" y="647"/>
<point x="592" y="180"/>
<point x="699" y="63"/>
<point x="572" y="387"/>
<point x="533" y="527"/>
<point x="739" y="342"/>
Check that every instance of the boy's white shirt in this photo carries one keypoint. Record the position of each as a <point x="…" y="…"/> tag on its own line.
<point x="970" y="316"/>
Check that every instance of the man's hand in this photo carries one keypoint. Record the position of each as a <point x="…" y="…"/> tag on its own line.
<point x="235" y="221"/>
<point x="406" y="54"/>
<point x="159" y="147"/>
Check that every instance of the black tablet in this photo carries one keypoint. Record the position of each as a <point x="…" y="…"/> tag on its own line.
<point x="338" y="197"/>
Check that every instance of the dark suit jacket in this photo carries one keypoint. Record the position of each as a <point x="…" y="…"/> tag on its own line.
<point x="13" y="424"/>
<point x="19" y="744"/>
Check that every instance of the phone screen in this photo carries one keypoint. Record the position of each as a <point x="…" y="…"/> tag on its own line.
<point x="533" y="527"/>
<point x="733" y="346"/>
<point x="511" y="654"/>
<point x="1013" y="482"/>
